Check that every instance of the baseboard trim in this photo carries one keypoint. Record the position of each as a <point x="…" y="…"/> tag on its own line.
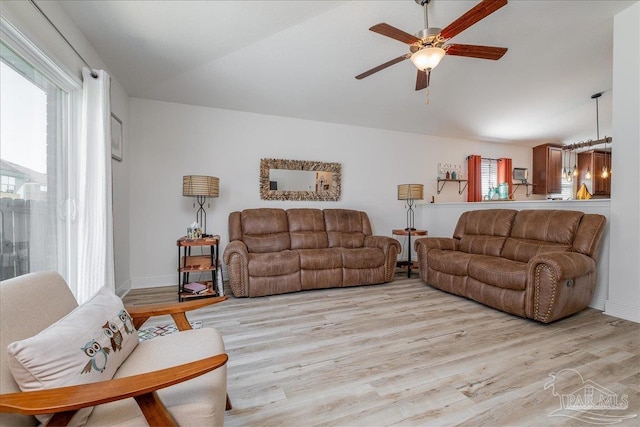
<point x="622" y="311"/>
<point x="154" y="282"/>
<point x="162" y="281"/>
<point x="123" y="289"/>
<point x="598" y="304"/>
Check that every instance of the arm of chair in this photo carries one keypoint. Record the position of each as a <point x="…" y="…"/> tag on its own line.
<point x="445" y="243"/>
<point x="236" y="257"/>
<point x="423" y="245"/>
<point x="558" y="285"/>
<point x="382" y="242"/>
<point x="177" y="310"/>
<point x="390" y="248"/>
<point x="65" y="401"/>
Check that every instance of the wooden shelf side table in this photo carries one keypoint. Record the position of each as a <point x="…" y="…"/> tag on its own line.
<point x="188" y="263"/>
<point x="409" y="263"/>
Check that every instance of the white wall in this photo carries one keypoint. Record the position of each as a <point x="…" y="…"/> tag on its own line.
<point x="29" y="21"/>
<point x="624" y="290"/>
<point x="171" y="140"/>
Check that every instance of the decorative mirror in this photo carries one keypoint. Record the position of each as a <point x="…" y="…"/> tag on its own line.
<point x="299" y="180"/>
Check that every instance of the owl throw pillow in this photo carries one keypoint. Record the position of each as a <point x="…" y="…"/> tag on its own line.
<point x="87" y="345"/>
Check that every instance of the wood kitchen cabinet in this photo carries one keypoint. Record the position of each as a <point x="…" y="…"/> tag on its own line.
<point x="593" y="161"/>
<point x="547" y="169"/>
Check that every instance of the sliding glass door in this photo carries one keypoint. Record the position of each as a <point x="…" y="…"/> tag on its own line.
<point x="35" y="146"/>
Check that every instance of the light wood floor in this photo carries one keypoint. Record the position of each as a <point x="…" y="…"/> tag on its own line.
<point x="406" y="354"/>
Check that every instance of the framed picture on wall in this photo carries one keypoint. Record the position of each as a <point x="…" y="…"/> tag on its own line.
<point x="116" y="137"/>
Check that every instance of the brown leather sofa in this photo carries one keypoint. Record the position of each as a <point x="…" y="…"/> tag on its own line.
<point x="275" y="251"/>
<point x="537" y="264"/>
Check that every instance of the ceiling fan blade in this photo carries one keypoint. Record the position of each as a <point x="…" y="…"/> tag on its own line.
<point x="475" y="14"/>
<point x="383" y="66"/>
<point x="422" y="80"/>
<point x="394" y="33"/>
<point x="474" y="51"/>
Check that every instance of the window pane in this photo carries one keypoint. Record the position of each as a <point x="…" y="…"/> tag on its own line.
<point x="489" y="175"/>
<point x="32" y="168"/>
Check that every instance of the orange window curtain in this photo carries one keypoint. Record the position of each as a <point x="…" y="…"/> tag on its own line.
<point x="474" y="186"/>
<point x="505" y="172"/>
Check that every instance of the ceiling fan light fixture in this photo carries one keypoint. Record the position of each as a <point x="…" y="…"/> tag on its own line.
<point x="427" y="58"/>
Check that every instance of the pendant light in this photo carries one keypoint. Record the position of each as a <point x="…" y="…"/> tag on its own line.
<point x="605" y="170"/>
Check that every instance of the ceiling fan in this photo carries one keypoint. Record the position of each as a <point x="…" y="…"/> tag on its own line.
<point x="429" y="46"/>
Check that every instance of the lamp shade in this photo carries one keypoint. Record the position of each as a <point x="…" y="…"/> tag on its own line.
<point x="199" y="185"/>
<point x="410" y="192"/>
<point x="427" y="58"/>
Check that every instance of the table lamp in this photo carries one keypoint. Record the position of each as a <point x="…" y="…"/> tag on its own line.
<point x="200" y="187"/>
<point x="410" y="192"/>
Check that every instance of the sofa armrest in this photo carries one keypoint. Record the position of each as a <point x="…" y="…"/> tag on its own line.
<point x="390" y="247"/>
<point x="236" y="257"/>
<point x="382" y="242"/>
<point x="444" y="243"/>
<point x="63" y="402"/>
<point x="177" y="311"/>
<point x="558" y="285"/>
<point x="422" y="247"/>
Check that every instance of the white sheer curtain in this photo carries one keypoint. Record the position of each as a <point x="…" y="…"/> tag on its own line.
<point x="94" y="207"/>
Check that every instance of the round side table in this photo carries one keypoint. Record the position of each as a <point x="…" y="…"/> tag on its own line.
<point x="406" y="232"/>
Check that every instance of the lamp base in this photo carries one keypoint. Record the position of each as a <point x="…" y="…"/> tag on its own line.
<point x="409" y="229"/>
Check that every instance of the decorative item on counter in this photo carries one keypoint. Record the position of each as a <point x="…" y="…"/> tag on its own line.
<point x="583" y="193"/>
<point x="503" y="191"/>
<point x="194" y="231"/>
<point x="492" y="192"/>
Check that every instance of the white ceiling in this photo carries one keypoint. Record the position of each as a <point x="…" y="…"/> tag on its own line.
<point x="299" y="58"/>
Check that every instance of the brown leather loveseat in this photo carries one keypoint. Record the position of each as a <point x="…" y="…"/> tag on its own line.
<point x="274" y="251"/>
<point x="538" y="264"/>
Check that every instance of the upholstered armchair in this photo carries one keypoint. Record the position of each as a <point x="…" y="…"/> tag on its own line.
<point x="113" y="379"/>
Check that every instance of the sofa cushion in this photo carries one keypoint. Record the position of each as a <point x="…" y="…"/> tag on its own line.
<point x="265" y="230"/>
<point x="305" y="219"/>
<point x="489" y="222"/>
<point x="450" y="262"/>
<point x="87" y="345"/>
<point x="344" y="228"/>
<point x="273" y="263"/>
<point x="553" y="226"/>
<point x="499" y="272"/>
<point x="306" y="229"/>
<point x="588" y="235"/>
<point x="320" y="259"/>
<point x="362" y="257"/>
<point x="523" y="250"/>
<point x="481" y="245"/>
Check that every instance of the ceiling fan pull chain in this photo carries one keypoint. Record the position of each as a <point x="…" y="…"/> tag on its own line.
<point x="426" y="101"/>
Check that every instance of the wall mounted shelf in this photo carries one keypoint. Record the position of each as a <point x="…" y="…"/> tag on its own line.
<point x="528" y="188"/>
<point x="459" y="181"/>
